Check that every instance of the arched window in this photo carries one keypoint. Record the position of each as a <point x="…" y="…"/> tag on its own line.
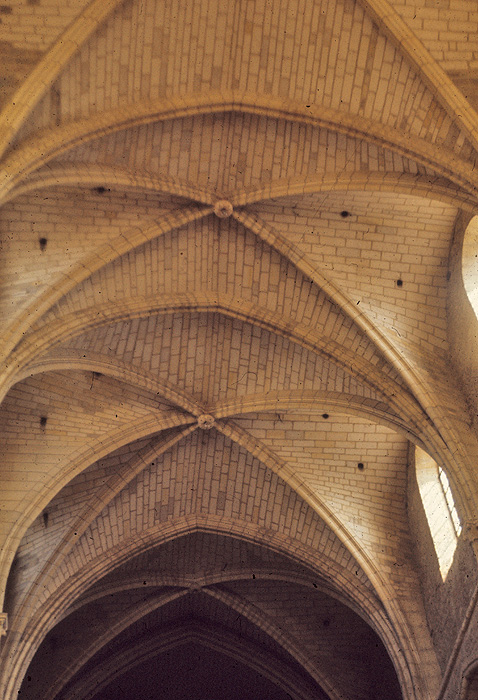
<point x="469" y="263"/>
<point x="439" y="506"/>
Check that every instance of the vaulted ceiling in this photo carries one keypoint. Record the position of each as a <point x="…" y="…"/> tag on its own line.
<point x="229" y="286"/>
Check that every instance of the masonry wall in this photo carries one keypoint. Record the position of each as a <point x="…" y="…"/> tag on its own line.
<point x="446" y="602"/>
<point x="466" y="658"/>
<point x="462" y="323"/>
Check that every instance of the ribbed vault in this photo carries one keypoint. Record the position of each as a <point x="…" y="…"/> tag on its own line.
<point x="230" y="302"/>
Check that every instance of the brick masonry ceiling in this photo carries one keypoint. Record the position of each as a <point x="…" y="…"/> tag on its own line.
<point x="233" y="311"/>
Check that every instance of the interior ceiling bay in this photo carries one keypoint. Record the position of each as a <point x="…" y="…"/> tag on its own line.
<point x="238" y="360"/>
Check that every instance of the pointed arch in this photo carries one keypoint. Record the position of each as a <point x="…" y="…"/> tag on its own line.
<point x="449" y="95"/>
<point x="47" y="70"/>
<point x="387" y="625"/>
<point x="38" y="151"/>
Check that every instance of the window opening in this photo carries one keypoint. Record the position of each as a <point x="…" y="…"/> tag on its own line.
<point x="445" y="484"/>
<point x="440" y="510"/>
<point x="469" y="263"/>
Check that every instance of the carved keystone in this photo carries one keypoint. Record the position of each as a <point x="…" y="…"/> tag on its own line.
<point x="206" y="421"/>
<point x="223" y="208"/>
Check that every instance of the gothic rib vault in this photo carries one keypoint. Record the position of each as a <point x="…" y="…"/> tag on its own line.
<point x="232" y="310"/>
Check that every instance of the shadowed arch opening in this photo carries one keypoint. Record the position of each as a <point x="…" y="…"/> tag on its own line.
<point x="145" y="616"/>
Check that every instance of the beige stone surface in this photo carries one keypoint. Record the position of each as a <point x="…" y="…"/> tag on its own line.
<point x="232" y="304"/>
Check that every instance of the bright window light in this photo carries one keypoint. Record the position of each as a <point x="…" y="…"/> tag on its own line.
<point x="445" y="484"/>
<point x="437" y="499"/>
<point x="469" y="262"/>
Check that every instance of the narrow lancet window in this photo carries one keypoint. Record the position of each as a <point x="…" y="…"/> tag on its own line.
<point x="439" y="506"/>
